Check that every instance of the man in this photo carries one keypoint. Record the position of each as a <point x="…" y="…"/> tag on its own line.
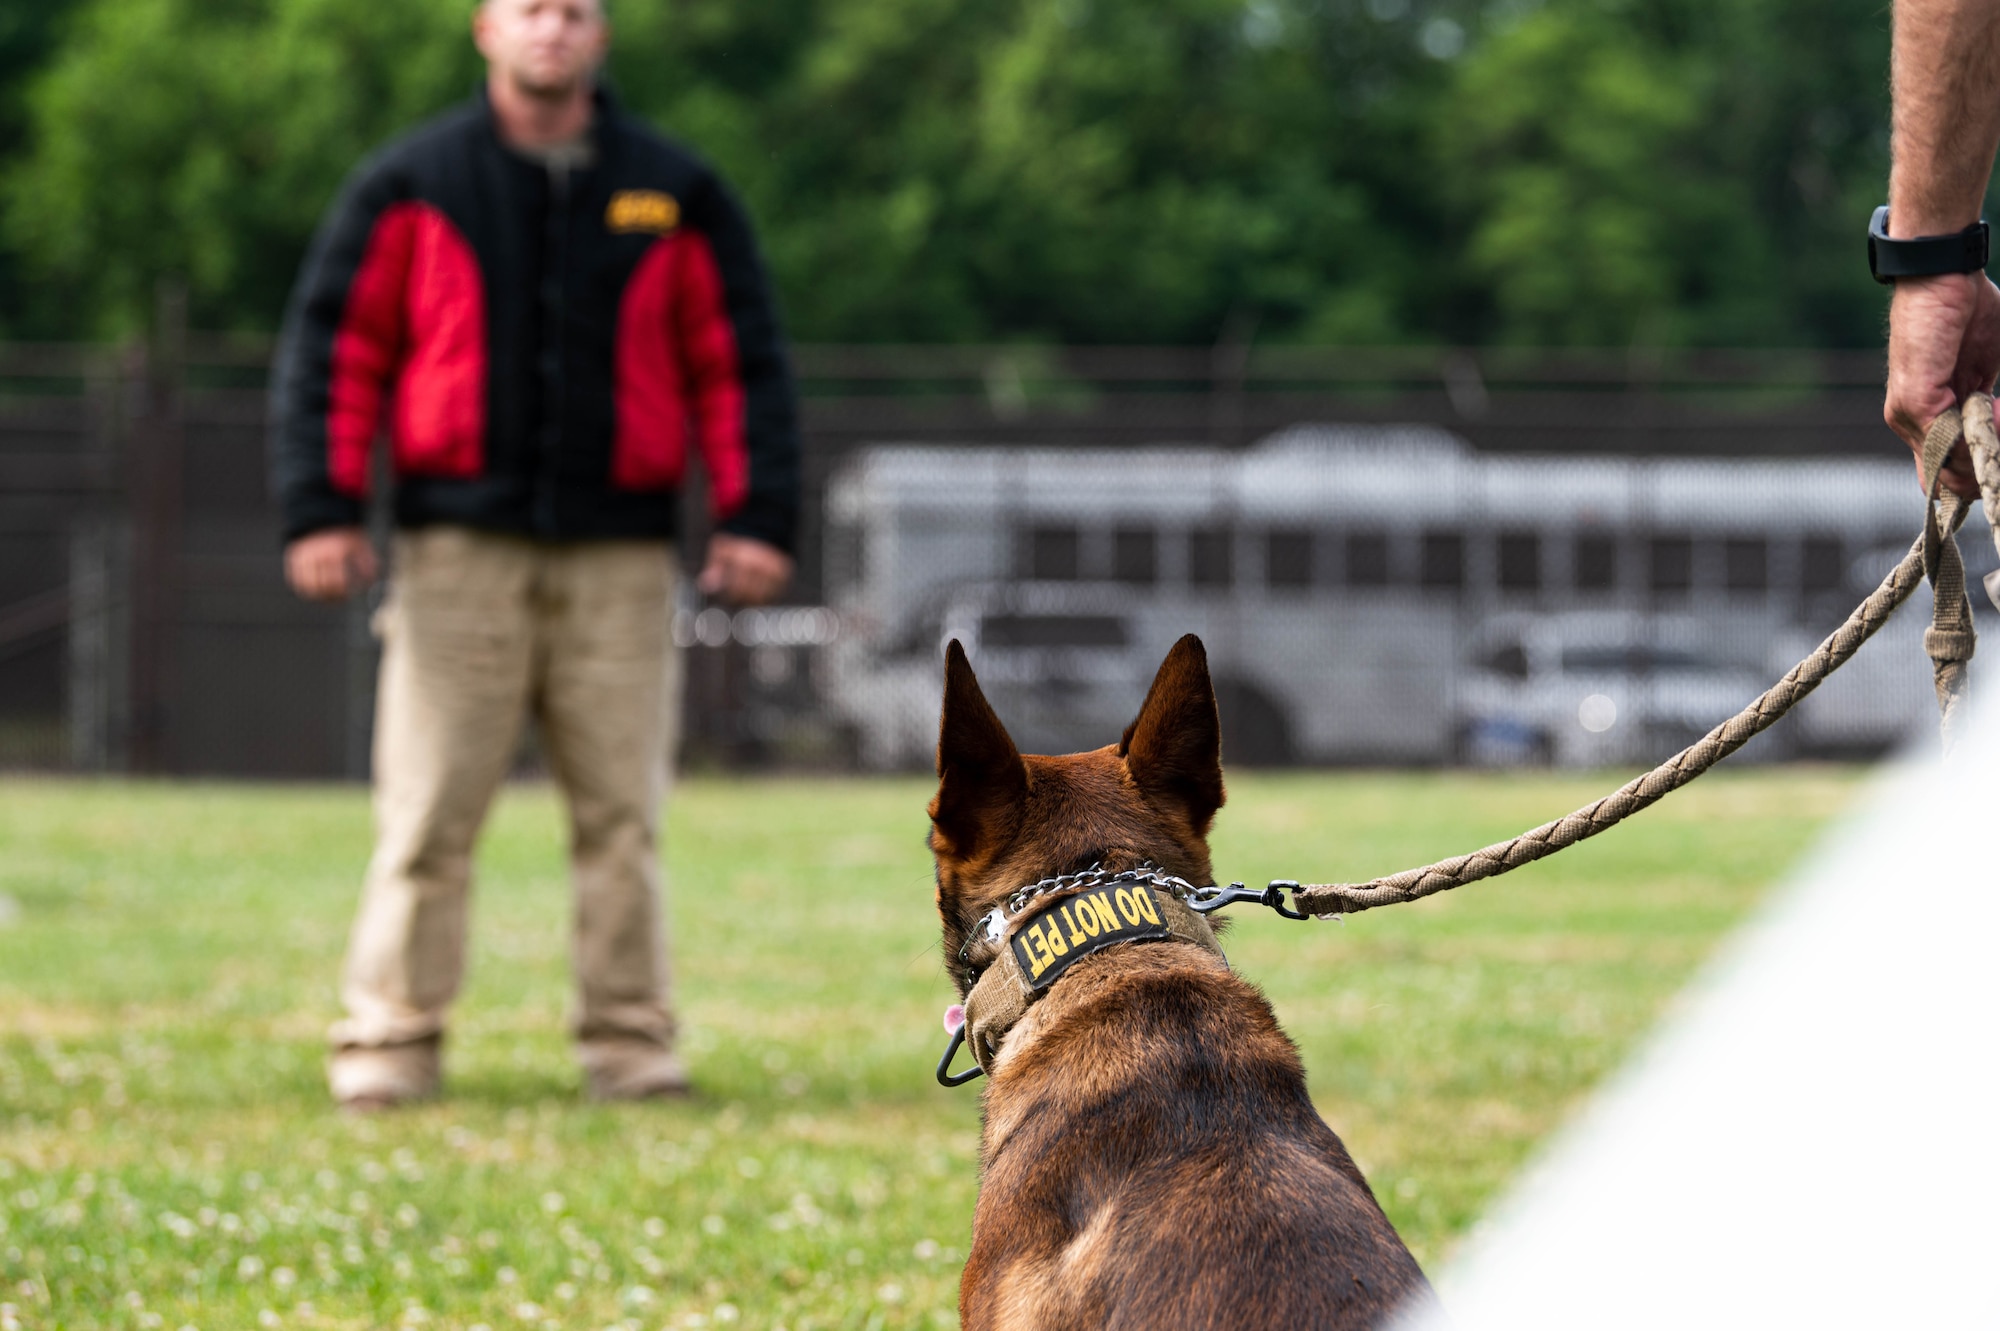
<point x="545" y="304"/>
<point x="1944" y="322"/>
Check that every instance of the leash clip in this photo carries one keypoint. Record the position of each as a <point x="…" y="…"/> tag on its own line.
<point x="945" y="1076"/>
<point x="1272" y="896"/>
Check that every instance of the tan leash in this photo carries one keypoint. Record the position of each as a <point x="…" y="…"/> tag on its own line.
<point x="1949" y="643"/>
<point x="1004" y="991"/>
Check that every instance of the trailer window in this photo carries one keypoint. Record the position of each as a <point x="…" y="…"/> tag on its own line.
<point x="1594" y="563"/>
<point x="1520" y="560"/>
<point x="1135" y="556"/>
<point x="1288" y="559"/>
<point x="1509" y="659"/>
<point x="844" y="551"/>
<point x="1822" y="565"/>
<point x="1209" y="562"/>
<point x="1745" y="564"/>
<point x="1367" y="559"/>
<point x="1629" y="658"/>
<point x="1053" y="554"/>
<point x="1052" y="631"/>
<point x="1671" y="560"/>
<point x="1443" y="560"/>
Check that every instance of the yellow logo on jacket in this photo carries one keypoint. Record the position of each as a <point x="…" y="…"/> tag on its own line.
<point x="646" y="212"/>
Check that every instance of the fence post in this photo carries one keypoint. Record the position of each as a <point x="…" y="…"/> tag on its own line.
<point x="1228" y="376"/>
<point x="96" y="647"/>
<point x="154" y="472"/>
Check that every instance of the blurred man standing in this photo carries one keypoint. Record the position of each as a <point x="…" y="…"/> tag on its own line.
<point x="1944" y="319"/>
<point x="544" y="305"/>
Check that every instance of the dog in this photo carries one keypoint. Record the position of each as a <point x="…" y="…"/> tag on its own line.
<point x="1150" y="1156"/>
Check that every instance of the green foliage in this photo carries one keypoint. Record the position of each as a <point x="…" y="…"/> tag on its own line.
<point x="1082" y="170"/>
<point x="28" y="34"/>
<point x="1571" y="171"/>
<point x="202" y="139"/>
<point x="1680" y="171"/>
<point x="1564" y="138"/>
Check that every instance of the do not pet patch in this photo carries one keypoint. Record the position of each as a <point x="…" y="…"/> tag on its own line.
<point x="1054" y="938"/>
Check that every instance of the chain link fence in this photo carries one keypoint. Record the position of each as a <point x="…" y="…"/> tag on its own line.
<point x="1373" y="591"/>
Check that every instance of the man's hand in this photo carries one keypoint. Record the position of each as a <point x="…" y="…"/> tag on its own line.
<point x="331" y="565"/>
<point x="744" y="571"/>
<point x="1944" y="332"/>
<point x="1944" y="345"/>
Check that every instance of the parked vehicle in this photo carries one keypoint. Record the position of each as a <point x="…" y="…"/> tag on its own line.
<point x="1596" y="689"/>
<point x="1353" y="585"/>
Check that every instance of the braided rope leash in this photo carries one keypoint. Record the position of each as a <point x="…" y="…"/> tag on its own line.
<point x="1950" y="639"/>
<point x="1949" y="642"/>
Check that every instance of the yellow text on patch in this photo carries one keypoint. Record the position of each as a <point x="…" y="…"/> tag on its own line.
<point x="642" y="212"/>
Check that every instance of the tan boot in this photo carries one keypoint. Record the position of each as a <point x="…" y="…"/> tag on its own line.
<point x="381" y="1077"/>
<point x="632" y="1070"/>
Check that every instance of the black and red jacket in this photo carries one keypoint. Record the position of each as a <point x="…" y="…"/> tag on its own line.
<point x="541" y="351"/>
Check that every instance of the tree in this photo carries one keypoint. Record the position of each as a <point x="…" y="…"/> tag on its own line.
<point x="202" y="139"/>
<point x="1579" y="171"/>
<point x="1671" y="173"/>
<point x="29" y="30"/>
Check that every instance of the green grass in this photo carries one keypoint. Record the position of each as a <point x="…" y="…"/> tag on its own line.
<point x="168" y="1157"/>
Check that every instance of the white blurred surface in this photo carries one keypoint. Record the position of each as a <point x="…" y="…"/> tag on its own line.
<point x="1813" y="1140"/>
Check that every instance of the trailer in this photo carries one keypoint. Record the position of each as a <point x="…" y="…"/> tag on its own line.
<point x="1369" y="595"/>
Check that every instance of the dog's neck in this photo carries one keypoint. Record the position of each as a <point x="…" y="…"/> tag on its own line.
<point x="1028" y="944"/>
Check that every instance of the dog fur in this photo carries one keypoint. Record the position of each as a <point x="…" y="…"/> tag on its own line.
<point x="1150" y="1156"/>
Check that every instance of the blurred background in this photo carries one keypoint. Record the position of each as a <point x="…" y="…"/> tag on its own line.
<point x="1489" y="383"/>
<point x="1492" y="383"/>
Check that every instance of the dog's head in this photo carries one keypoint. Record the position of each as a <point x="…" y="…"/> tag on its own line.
<point x="1002" y="820"/>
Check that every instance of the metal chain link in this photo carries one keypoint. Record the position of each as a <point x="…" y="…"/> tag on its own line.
<point x="992" y="926"/>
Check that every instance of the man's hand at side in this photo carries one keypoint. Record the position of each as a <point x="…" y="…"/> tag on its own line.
<point x="744" y="571"/>
<point x="1944" y="345"/>
<point x="331" y="565"/>
<point x="1944" y="332"/>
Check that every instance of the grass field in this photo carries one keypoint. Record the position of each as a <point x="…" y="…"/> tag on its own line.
<point x="167" y="962"/>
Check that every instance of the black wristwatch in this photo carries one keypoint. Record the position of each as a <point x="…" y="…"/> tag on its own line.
<point x="1924" y="256"/>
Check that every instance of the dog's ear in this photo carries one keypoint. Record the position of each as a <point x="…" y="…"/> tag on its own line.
<point x="982" y="781"/>
<point x="1174" y="750"/>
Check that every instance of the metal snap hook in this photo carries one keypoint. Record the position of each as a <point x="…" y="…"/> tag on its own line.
<point x="1272" y="896"/>
<point x="945" y="1075"/>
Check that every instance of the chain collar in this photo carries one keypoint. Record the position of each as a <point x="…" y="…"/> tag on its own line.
<point x="992" y="926"/>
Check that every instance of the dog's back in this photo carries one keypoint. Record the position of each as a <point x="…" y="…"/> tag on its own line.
<point x="1151" y="1156"/>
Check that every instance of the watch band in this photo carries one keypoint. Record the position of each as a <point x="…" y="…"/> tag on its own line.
<point x="1924" y="256"/>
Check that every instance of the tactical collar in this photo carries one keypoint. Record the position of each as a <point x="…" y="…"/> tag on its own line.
<point x="1043" y="929"/>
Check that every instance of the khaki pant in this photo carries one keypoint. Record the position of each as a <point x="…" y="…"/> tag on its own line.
<point x="478" y="631"/>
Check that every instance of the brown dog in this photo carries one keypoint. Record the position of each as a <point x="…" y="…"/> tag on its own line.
<point x="1151" y="1158"/>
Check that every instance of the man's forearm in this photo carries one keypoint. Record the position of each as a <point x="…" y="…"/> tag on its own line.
<point x="1945" y="72"/>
